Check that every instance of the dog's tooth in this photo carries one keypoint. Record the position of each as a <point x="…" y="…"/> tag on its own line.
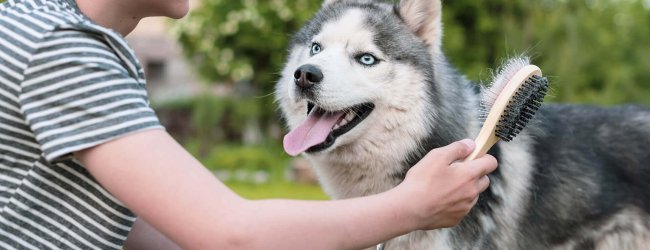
<point x="343" y="122"/>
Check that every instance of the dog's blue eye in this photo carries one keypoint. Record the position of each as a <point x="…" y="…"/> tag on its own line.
<point x="315" y="48"/>
<point x="367" y="59"/>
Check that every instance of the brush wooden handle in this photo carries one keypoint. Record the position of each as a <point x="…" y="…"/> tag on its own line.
<point x="483" y="144"/>
<point x="487" y="136"/>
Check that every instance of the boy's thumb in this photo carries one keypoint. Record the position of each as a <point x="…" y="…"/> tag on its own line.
<point x="457" y="150"/>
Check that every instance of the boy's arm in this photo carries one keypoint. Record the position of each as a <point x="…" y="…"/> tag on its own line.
<point x="145" y="237"/>
<point x="167" y="187"/>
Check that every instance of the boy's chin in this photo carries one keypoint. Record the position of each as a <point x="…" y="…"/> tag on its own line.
<point x="177" y="9"/>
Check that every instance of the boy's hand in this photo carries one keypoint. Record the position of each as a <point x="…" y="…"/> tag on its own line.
<point x="441" y="189"/>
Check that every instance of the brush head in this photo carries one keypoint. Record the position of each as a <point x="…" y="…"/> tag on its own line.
<point x="522" y="107"/>
<point x="513" y="97"/>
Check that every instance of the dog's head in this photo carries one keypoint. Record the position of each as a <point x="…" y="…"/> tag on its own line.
<point x="361" y="67"/>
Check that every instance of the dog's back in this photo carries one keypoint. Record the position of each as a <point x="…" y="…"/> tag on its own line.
<point x="591" y="178"/>
<point x="577" y="178"/>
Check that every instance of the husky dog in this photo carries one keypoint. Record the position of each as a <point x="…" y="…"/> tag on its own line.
<point x="367" y="91"/>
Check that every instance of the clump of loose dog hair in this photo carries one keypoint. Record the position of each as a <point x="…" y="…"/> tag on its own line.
<point x="500" y="77"/>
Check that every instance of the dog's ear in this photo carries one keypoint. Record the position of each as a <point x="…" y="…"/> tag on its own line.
<point x="424" y="18"/>
<point x="328" y="2"/>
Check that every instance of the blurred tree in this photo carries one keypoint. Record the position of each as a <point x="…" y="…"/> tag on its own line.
<point x="595" y="51"/>
<point x="243" y="43"/>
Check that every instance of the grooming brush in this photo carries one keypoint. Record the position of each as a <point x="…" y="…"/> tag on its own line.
<point x="520" y="90"/>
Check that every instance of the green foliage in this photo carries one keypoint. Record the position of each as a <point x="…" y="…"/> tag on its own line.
<point x="222" y="118"/>
<point x="234" y="41"/>
<point x="266" y="159"/>
<point x="285" y="190"/>
<point x="595" y="51"/>
<point x="208" y="120"/>
<point x="243" y="43"/>
<point x="251" y="158"/>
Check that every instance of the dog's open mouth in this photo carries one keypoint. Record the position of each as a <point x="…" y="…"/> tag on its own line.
<point x="321" y="128"/>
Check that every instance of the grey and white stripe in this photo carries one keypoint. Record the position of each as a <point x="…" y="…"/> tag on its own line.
<point x="66" y="84"/>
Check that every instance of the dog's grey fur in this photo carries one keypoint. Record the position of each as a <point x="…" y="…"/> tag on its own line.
<point x="578" y="177"/>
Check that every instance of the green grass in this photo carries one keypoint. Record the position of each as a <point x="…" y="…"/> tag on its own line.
<point x="278" y="190"/>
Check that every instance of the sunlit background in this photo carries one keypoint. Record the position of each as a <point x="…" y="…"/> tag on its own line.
<point x="211" y="74"/>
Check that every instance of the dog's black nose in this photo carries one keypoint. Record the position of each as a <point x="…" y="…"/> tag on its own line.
<point x="307" y="75"/>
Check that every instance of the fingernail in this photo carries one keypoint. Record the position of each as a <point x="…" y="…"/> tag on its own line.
<point x="469" y="142"/>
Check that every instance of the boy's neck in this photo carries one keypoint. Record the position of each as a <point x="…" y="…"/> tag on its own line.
<point x="110" y="14"/>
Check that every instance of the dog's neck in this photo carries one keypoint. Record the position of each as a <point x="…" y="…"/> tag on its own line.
<point x="361" y="169"/>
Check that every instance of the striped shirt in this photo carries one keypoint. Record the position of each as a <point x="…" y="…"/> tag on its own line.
<point x="66" y="84"/>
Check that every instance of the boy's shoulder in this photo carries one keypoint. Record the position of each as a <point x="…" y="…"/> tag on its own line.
<point x="40" y="15"/>
<point x="35" y="20"/>
<point x="30" y="25"/>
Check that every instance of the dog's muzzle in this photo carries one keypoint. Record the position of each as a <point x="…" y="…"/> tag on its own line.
<point x="307" y="76"/>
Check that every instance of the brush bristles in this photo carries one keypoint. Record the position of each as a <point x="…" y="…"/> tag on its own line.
<point x="522" y="107"/>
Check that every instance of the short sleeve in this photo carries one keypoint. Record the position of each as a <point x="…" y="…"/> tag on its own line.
<point x="77" y="93"/>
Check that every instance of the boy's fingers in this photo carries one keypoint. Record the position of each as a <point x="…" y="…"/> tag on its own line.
<point x="484" y="165"/>
<point x="474" y="201"/>
<point x="455" y="151"/>
<point x="492" y="164"/>
<point x="484" y="183"/>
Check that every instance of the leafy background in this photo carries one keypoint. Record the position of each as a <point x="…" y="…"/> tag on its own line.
<point x="594" y="51"/>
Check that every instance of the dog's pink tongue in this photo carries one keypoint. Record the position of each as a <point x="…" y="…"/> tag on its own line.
<point x="312" y="131"/>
